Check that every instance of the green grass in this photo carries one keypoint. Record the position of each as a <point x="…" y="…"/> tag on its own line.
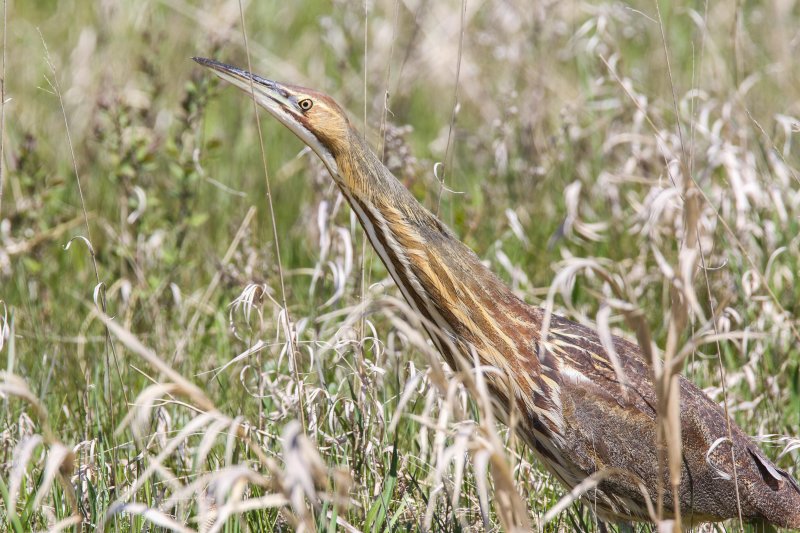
<point x="170" y="165"/>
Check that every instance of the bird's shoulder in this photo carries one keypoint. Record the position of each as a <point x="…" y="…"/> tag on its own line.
<point x="581" y="357"/>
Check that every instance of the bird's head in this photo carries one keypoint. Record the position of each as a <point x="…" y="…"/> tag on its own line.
<point x="314" y="117"/>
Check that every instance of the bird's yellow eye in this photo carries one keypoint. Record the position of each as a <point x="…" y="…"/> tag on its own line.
<point x="305" y="104"/>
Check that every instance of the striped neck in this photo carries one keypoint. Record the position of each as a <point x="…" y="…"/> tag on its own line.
<point x="440" y="278"/>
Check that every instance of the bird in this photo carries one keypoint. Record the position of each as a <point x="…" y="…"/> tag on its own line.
<point x="573" y="416"/>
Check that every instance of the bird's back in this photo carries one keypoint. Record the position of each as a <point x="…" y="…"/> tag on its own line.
<point x="605" y="428"/>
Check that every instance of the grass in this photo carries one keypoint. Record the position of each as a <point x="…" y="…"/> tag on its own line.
<point x="185" y="411"/>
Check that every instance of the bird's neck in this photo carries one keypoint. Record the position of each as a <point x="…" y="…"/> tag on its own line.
<point x="440" y="277"/>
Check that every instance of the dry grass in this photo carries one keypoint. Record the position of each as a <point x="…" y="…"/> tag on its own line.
<point x="634" y="167"/>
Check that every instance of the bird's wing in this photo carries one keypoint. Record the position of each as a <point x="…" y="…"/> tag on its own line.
<point x="608" y="425"/>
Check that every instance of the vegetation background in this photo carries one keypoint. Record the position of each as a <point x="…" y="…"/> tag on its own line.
<point x="133" y="186"/>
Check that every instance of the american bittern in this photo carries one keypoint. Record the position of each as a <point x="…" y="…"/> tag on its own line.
<point x="574" y="417"/>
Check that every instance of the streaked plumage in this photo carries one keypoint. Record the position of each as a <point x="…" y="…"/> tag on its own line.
<point x="576" y="418"/>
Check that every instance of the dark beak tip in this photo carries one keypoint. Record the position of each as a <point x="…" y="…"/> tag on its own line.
<point x="203" y="61"/>
<point x="233" y="71"/>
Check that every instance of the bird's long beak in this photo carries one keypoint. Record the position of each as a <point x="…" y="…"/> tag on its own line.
<point x="271" y="95"/>
<point x="263" y="89"/>
<point x="279" y="100"/>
